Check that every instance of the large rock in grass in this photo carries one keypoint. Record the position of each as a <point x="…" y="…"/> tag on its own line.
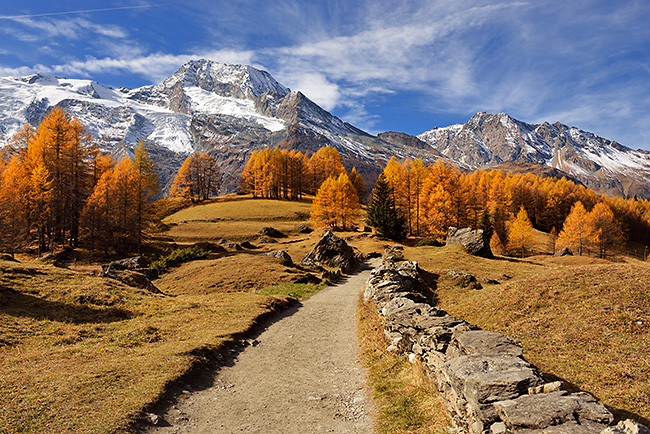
<point x="281" y="255"/>
<point x="474" y="241"/>
<point x="331" y="251"/>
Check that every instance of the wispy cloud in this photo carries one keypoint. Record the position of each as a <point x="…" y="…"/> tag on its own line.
<point x="74" y="28"/>
<point x="81" y="11"/>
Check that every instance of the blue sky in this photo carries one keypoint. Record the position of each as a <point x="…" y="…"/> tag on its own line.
<point x="381" y="65"/>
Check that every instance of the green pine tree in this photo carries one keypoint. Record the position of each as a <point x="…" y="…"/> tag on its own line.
<point x="382" y="214"/>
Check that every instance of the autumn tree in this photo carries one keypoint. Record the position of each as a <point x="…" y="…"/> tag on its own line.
<point x="39" y="197"/>
<point x="147" y="187"/>
<point x="521" y="237"/>
<point x="577" y="232"/>
<point x="382" y="213"/>
<point x="64" y="147"/>
<point x="608" y="236"/>
<point x="275" y="174"/>
<point x="112" y="209"/>
<point x="359" y="185"/>
<point x="324" y="163"/>
<point x="336" y="203"/>
<point x="14" y="190"/>
<point x="198" y="178"/>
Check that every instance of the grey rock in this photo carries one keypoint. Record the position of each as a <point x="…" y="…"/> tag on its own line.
<point x="474" y="241"/>
<point x="127" y="264"/>
<point x="564" y="251"/>
<point x="555" y="408"/>
<point x="482" y="342"/>
<point x="626" y="427"/>
<point x="280" y="254"/>
<point x="585" y="427"/>
<point x="483" y="379"/>
<point x="331" y="251"/>
<point x="272" y="232"/>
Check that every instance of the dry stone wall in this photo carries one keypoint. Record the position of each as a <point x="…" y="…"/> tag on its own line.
<point x="486" y="384"/>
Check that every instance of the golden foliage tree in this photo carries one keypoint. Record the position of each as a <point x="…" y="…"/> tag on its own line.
<point x="275" y="174"/>
<point x="324" y="163"/>
<point x="198" y="178"/>
<point x="359" y="185"/>
<point x="521" y="237"/>
<point x="577" y="232"/>
<point x="608" y="237"/>
<point x="14" y="190"/>
<point x="336" y="203"/>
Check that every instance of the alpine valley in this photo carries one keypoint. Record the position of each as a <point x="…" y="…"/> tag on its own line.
<point x="231" y="110"/>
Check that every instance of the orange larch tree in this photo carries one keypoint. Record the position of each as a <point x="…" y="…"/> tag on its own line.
<point x="336" y="203"/>
<point x="521" y="237"/>
<point x="577" y="232"/>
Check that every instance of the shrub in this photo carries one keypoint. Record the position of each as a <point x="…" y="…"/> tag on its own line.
<point x="429" y="242"/>
<point x="180" y="256"/>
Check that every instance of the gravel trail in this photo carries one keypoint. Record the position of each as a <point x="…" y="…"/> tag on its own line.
<point x="300" y="375"/>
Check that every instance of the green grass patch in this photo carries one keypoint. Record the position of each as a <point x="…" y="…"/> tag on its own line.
<point x="300" y="291"/>
<point x="180" y="256"/>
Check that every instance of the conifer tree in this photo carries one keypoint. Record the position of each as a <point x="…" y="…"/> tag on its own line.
<point x="147" y="186"/>
<point x="382" y="213"/>
<point x="14" y="189"/>
<point x="198" y="178"/>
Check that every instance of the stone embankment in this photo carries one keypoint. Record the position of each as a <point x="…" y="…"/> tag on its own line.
<point x="486" y="384"/>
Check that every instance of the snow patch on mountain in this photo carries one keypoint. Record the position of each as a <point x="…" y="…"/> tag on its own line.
<point x="208" y="102"/>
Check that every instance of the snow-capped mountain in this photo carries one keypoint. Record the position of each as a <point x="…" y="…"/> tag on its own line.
<point x="232" y="110"/>
<point x="227" y="110"/>
<point x="490" y="139"/>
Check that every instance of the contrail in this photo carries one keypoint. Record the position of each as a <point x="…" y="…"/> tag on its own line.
<point x="78" y="12"/>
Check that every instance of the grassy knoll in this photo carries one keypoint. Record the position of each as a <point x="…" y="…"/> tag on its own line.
<point x="583" y="320"/>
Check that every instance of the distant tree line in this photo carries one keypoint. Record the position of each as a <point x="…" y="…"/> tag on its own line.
<point x="430" y="198"/>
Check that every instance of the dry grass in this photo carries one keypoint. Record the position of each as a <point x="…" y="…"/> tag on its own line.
<point x="83" y="354"/>
<point x="405" y="399"/>
<point x="583" y="320"/>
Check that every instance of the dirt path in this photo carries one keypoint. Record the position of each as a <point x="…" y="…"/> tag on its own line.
<point x="302" y="375"/>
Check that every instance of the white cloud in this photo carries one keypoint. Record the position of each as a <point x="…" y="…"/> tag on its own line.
<point x="316" y="86"/>
<point x="71" y="28"/>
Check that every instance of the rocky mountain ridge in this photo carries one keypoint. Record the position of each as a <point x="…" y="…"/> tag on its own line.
<point x="232" y="110"/>
<point x="487" y="140"/>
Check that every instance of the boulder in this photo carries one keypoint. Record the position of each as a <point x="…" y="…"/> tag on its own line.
<point x="564" y="251"/>
<point x="248" y="245"/>
<point x="474" y="241"/>
<point x="126" y="264"/>
<point x="280" y="254"/>
<point x="394" y="254"/>
<point x="272" y="232"/>
<point x="331" y="251"/>
<point x="304" y="229"/>
<point x="132" y="278"/>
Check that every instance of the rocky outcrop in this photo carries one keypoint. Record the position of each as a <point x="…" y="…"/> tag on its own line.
<point x="487" y="385"/>
<point x="564" y="251"/>
<point x="474" y="241"/>
<point x="331" y="251"/>
<point x="272" y="232"/>
<point x="133" y="272"/>
<point x="281" y="255"/>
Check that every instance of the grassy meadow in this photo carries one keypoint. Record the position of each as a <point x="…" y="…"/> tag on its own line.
<point x="85" y="354"/>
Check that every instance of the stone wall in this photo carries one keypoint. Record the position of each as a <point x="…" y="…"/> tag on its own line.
<point x="486" y="384"/>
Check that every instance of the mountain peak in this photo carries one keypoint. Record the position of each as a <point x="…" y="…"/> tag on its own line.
<point x="233" y="80"/>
